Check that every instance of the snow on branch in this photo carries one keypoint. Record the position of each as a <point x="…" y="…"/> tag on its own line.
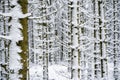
<point x="47" y="14"/>
<point x="17" y="15"/>
<point x="15" y="36"/>
<point x="5" y="37"/>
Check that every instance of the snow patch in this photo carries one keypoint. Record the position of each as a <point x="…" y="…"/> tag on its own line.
<point x="56" y="72"/>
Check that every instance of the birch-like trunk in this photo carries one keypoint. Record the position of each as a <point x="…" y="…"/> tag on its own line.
<point x="97" y="44"/>
<point x="115" y="40"/>
<point x="69" y="34"/>
<point x="74" y="33"/>
<point x="103" y="41"/>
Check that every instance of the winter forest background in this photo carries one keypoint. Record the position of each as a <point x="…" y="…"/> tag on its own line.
<point x="59" y="39"/>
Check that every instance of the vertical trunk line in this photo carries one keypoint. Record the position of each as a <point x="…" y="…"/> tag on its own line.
<point x="24" y="42"/>
<point x="115" y="40"/>
<point x="69" y="43"/>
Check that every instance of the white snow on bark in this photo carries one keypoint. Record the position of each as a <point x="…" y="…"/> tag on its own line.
<point x="15" y="36"/>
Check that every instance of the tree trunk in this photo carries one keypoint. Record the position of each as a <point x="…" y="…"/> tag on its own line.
<point x="4" y="43"/>
<point x="24" y="42"/>
<point x="75" y="44"/>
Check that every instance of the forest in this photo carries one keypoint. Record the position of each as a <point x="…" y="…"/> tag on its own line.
<point x="59" y="39"/>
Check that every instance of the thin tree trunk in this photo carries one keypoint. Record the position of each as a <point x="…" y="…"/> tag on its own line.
<point x="4" y="48"/>
<point x="115" y="39"/>
<point x="97" y="44"/>
<point x="74" y="41"/>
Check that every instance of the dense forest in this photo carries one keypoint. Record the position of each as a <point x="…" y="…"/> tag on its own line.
<point x="59" y="39"/>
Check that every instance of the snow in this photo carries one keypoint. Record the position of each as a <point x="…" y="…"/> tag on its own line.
<point x="56" y="72"/>
<point x="15" y="32"/>
<point x="5" y="37"/>
<point x="71" y="0"/>
<point x="16" y="13"/>
<point x="14" y="2"/>
<point x="87" y="43"/>
<point x="15" y="36"/>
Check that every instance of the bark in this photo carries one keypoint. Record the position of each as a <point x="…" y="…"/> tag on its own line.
<point x="97" y="44"/>
<point x="24" y="42"/>
<point x="74" y="41"/>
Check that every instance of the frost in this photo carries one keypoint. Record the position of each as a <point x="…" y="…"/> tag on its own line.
<point x="56" y="72"/>
<point x="15" y="36"/>
<point x="5" y="37"/>
<point x="66" y="40"/>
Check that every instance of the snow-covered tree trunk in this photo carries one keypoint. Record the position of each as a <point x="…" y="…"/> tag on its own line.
<point x="24" y="42"/>
<point x="102" y="31"/>
<point x="41" y="48"/>
<point x="112" y="17"/>
<point x="115" y="40"/>
<point x="74" y="26"/>
<point x="109" y="36"/>
<point x="14" y="50"/>
<point x="35" y="38"/>
<point x="100" y="43"/>
<point x="97" y="44"/>
<point x="86" y="39"/>
<point x="69" y="34"/>
<point x="4" y="43"/>
<point x="45" y="41"/>
<point x="81" y="35"/>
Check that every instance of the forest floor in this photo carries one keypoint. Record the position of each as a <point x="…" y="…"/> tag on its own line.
<point x="56" y="72"/>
